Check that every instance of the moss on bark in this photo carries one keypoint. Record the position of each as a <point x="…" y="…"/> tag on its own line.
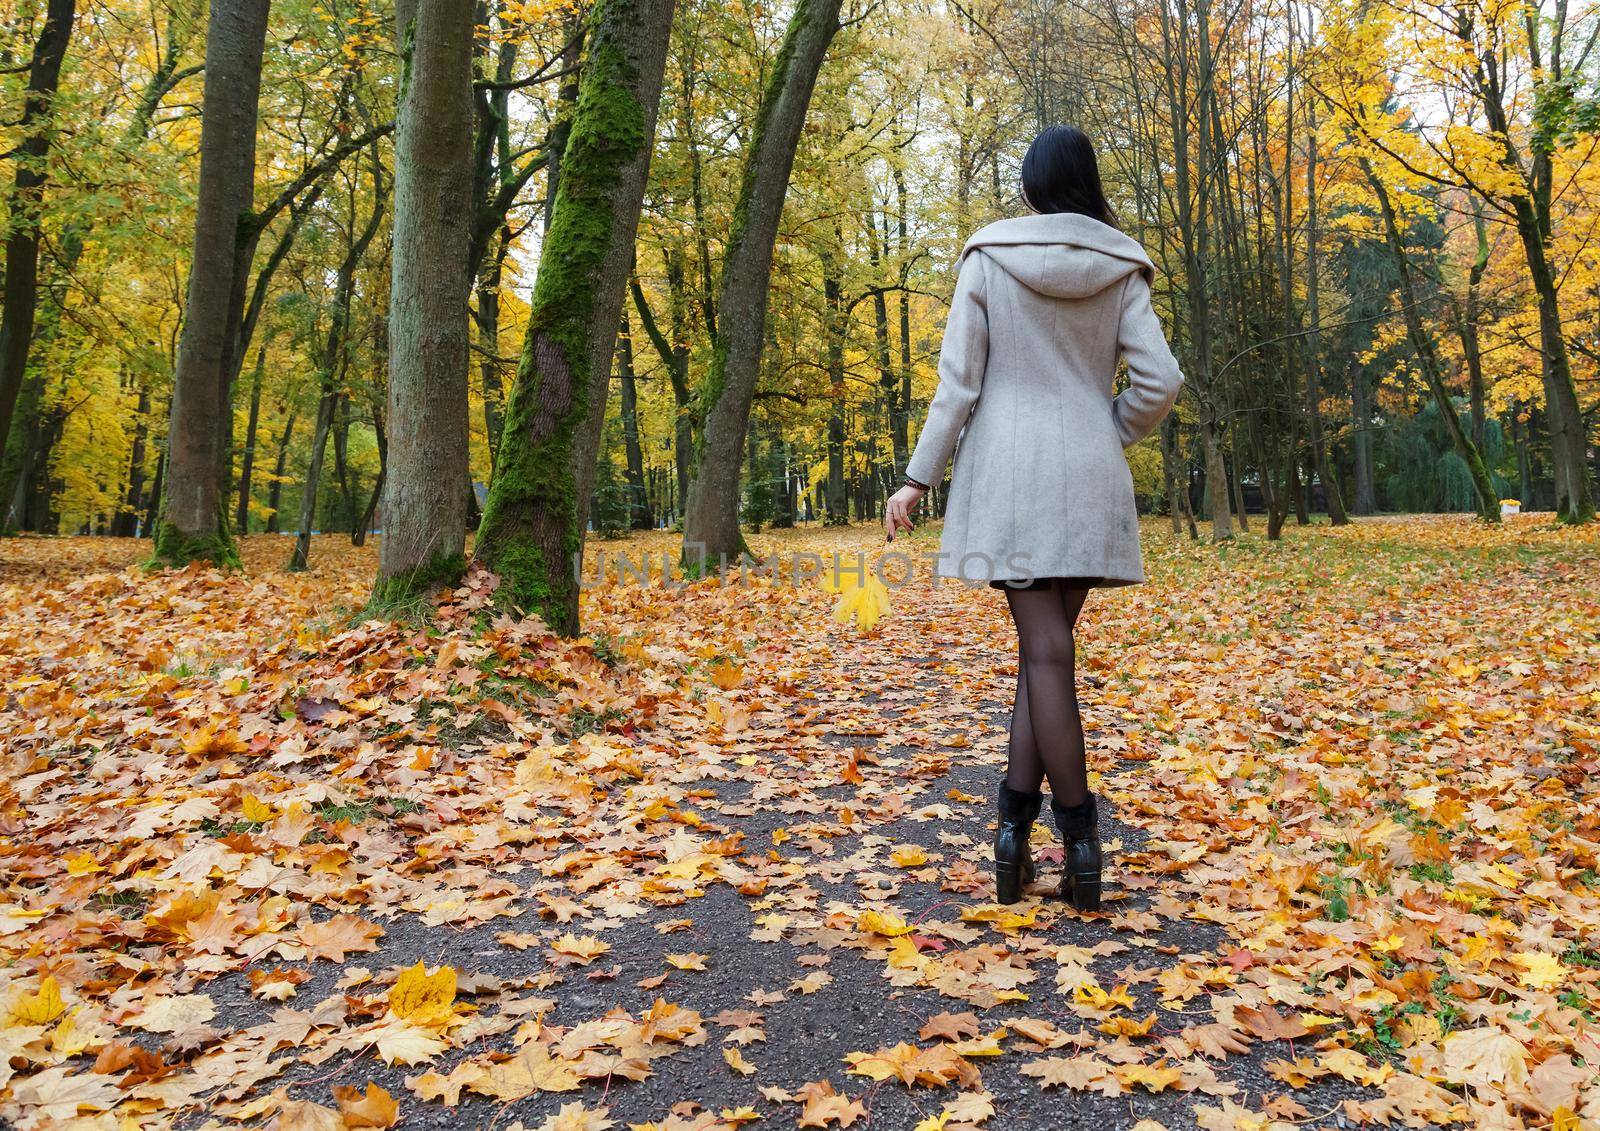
<point x="403" y="590"/>
<point x="173" y="549"/>
<point x="532" y="521"/>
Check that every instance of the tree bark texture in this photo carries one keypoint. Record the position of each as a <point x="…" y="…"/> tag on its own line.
<point x="193" y="524"/>
<point x="425" y="489"/>
<point x="534" y="520"/>
<point x="711" y="525"/>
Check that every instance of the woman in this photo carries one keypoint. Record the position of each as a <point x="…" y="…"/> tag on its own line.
<point x="1041" y="498"/>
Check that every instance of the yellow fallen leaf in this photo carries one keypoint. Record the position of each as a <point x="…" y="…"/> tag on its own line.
<point x="909" y="856"/>
<point x="83" y="864"/>
<point x="737" y="1062"/>
<point x="1093" y="996"/>
<point x="1540" y="971"/>
<point x="581" y="949"/>
<point x="41" y="1007"/>
<point x="256" y="810"/>
<point x="1127" y="1026"/>
<point x="424" y="999"/>
<point x="882" y="923"/>
<point x="1155" y="1077"/>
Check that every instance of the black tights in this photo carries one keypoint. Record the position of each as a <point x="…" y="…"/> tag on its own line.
<point x="1046" y="730"/>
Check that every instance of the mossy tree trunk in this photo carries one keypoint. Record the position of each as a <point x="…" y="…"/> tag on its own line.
<point x="193" y="524"/>
<point x="425" y="489"/>
<point x="711" y="524"/>
<point x="538" y="504"/>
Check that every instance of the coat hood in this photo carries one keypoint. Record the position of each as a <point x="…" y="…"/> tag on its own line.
<point x="1061" y="254"/>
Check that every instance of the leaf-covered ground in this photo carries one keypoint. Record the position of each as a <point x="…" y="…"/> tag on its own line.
<point x="724" y="862"/>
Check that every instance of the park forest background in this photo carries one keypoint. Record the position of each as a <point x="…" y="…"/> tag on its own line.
<point x="1375" y="222"/>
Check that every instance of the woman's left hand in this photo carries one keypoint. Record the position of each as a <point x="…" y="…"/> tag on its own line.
<point x="897" y="514"/>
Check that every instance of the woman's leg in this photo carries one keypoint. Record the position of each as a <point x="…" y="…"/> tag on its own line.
<point x="1046" y="684"/>
<point x="1024" y="769"/>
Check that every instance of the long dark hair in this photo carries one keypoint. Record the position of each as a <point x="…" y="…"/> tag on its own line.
<point x="1060" y="174"/>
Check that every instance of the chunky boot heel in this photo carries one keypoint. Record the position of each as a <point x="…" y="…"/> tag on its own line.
<point x="1080" y="836"/>
<point x="1013" y="860"/>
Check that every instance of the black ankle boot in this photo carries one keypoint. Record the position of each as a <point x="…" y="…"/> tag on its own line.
<point x="1080" y="837"/>
<point x="1013" y="862"/>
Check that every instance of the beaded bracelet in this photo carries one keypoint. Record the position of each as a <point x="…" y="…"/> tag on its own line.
<point x="910" y="482"/>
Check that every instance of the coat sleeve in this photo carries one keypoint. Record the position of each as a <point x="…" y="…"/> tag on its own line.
<point x="962" y="359"/>
<point x="1153" y="374"/>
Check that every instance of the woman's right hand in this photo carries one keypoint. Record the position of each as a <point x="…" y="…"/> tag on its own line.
<point x="897" y="514"/>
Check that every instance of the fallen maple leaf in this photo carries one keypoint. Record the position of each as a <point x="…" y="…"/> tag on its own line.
<point x="40" y="1007"/>
<point x="374" y="1108"/>
<point x="423" y="998"/>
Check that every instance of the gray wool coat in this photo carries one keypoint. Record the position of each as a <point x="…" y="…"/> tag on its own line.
<point x="1043" y="308"/>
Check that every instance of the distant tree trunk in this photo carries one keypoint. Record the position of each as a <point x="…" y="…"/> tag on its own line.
<point x="1428" y="359"/>
<point x="1532" y="207"/>
<point x="900" y="422"/>
<point x="194" y="519"/>
<point x="248" y="459"/>
<point x="27" y="194"/>
<point x="126" y="522"/>
<point x="358" y="537"/>
<point x="300" y="555"/>
<point x="275" y="492"/>
<point x="638" y="497"/>
<point x="488" y="319"/>
<point x="534" y="520"/>
<point x="574" y="31"/>
<point x="711" y="525"/>
<point x="675" y="356"/>
<point x="152" y="502"/>
<point x="425" y="490"/>
<point x="1519" y="437"/>
<point x="1467" y="325"/>
<point x="888" y="379"/>
<point x="341" y="457"/>
<point x="1320" y="461"/>
<point x="1366" y="493"/>
<point x="834" y="320"/>
<point x="331" y="371"/>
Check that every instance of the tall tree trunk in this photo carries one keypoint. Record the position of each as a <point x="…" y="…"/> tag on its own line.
<point x="1467" y="325"/>
<point x="833" y="303"/>
<point x="331" y="370"/>
<point x="1320" y="462"/>
<point x="488" y="319"/>
<point x="1532" y="208"/>
<point x="638" y="498"/>
<point x="300" y="555"/>
<point x="248" y="459"/>
<point x="275" y="492"/>
<point x="194" y="519"/>
<point x="888" y="379"/>
<point x="1428" y="360"/>
<point x="674" y="355"/>
<point x="1366" y="490"/>
<point x="126" y="522"/>
<point x="1519" y="436"/>
<point x="534" y="520"/>
<point x="900" y="422"/>
<point x="358" y="537"/>
<point x="27" y="193"/>
<point x="425" y="491"/>
<point x="711" y="526"/>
